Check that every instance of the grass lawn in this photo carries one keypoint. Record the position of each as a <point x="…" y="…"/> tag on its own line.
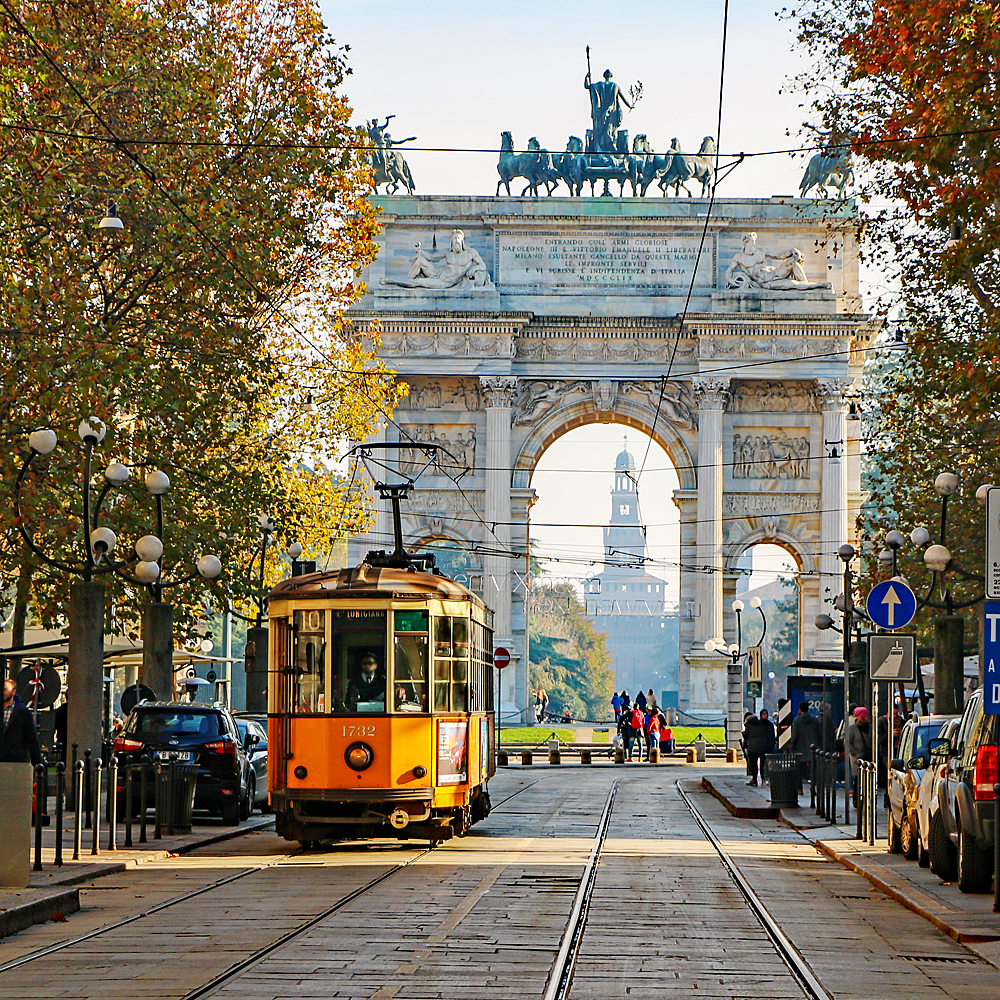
<point x="538" y="734"/>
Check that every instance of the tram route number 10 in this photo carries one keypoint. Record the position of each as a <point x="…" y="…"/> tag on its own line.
<point x="359" y="730"/>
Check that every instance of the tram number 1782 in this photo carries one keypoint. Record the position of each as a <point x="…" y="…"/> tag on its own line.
<point x="359" y="730"/>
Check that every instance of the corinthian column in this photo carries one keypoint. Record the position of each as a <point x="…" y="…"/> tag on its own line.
<point x="712" y="394"/>
<point x="498" y="394"/>
<point x="833" y="499"/>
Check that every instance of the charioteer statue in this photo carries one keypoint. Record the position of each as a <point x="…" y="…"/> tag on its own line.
<point x="606" y="100"/>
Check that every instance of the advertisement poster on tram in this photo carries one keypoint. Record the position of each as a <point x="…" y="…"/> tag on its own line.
<point x="453" y="753"/>
<point x="484" y="748"/>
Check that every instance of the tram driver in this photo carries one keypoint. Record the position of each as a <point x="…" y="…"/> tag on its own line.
<point x="366" y="693"/>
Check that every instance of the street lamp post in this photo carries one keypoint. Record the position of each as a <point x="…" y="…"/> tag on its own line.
<point x="86" y="606"/>
<point x="734" y="672"/>
<point x="846" y="554"/>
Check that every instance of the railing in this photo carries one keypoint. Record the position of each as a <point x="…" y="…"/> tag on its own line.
<point x="82" y="796"/>
<point x="867" y="802"/>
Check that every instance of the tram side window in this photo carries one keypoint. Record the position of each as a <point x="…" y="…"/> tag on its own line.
<point x="481" y="670"/>
<point x="359" y="661"/>
<point x="410" y="661"/>
<point x="310" y="662"/>
<point x="451" y="664"/>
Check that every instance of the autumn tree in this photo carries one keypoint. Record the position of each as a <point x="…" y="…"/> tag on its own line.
<point x="200" y="332"/>
<point x="912" y="85"/>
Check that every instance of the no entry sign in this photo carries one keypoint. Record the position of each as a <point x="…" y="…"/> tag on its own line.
<point x="501" y="657"/>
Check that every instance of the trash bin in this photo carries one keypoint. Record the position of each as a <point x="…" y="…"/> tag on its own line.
<point x="175" y="787"/>
<point x="783" y="776"/>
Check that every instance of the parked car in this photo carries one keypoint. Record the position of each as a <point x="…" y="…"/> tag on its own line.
<point x="254" y="739"/>
<point x="906" y="773"/>
<point x="191" y="732"/>
<point x="927" y="804"/>
<point x="965" y="799"/>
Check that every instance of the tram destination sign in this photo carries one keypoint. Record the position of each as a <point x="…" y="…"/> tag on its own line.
<point x="576" y="260"/>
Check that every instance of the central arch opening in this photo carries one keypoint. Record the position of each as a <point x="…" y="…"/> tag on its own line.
<point x="604" y="594"/>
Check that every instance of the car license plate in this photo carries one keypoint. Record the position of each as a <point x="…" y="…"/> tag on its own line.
<point x="173" y="755"/>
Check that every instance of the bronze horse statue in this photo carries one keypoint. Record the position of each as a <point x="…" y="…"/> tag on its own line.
<point x="832" y="167"/>
<point x="387" y="163"/>
<point x="536" y="166"/>
<point x="687" y="166"/>
<point x="651" y="166"/>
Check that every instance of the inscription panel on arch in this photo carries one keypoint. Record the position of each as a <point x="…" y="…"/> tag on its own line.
<point x="605" y="260"/>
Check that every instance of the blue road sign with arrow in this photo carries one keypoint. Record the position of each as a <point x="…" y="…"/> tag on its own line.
<point x="891" y="605"/>
<point x="991" y="657"/>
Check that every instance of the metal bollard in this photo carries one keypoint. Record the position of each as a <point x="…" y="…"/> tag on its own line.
<point x="78" y="808"/>
<point x="525" y="757"/>
<point x="113" y="804"/>
<point x="87" y="768"/>
<point x="129" y="805"/>
<point x="71" y="791"/>
<point x="60" y="796"/>
<point x="157" y="805"/>
<point x="812" y="784"/>
<point x="39" y="779"/>
<point x="144" y="803"/>
<point x="170" y="796"/>
<point x="95" y="841"/>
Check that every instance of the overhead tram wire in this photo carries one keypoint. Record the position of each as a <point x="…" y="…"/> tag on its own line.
<point x="362" y="147"/>
<point x="701" y="244"/>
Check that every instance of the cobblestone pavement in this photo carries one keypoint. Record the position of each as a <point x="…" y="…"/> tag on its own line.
<point x="483" y="916"/>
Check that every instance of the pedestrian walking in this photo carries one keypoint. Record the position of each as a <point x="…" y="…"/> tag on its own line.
<point x="771" y="740"/>
<point x="651" y="701"/>
<point x="626" y="701"/>
<point x="634" y="735"/>
<point x="640" y="701"/>
<point x="858" y="743"/>
<point x="18" y="738"/>
<point x="805" y="735"/>
<point x="758" y="737"/>
<point x="616" y="704"/>
<point x="541" y="704"/>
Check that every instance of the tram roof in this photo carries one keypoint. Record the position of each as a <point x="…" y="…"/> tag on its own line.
<point x="378" y="582"/>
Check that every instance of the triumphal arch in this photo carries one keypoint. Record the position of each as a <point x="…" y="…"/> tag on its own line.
<point x="514" y="320"/>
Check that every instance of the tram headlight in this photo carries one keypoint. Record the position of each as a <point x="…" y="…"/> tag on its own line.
<point x="359" y="756"/>
<point x="420" y="771"/>
<point x="300" y="772"/>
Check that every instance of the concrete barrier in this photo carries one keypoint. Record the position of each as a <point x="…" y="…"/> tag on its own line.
<point x="585" y="757"/>
<point x="15" y="825"/>
<point x="691" y="755"/>
<point x="654" y="755"/>
<point x="525" y="757"/>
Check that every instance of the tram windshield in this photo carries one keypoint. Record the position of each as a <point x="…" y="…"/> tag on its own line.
<point x="359" y="661"/>
<point x="409" y="681"/>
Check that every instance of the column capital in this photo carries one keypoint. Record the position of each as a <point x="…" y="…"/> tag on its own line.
<point x="498" y="389"/>
<point x="712" y="392"/>
<point x="833" y="392"/>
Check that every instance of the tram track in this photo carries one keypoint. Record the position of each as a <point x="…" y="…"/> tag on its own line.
<point x="207" y="989"/>
<point x="789" y="954"/>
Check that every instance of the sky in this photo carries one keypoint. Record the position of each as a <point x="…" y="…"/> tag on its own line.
<point x="456" y="74"/>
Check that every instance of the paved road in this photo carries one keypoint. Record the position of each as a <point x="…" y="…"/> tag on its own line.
<point x="484" y="916"/>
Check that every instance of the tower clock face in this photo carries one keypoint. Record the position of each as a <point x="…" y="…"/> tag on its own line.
<point x="623" y="508"/>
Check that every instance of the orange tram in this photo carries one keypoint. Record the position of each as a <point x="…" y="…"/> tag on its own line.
<point x="380" y="705"/>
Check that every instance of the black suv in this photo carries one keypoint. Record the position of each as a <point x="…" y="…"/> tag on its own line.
<point x="965" y="798"/>
<point x="190" y="733"/>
